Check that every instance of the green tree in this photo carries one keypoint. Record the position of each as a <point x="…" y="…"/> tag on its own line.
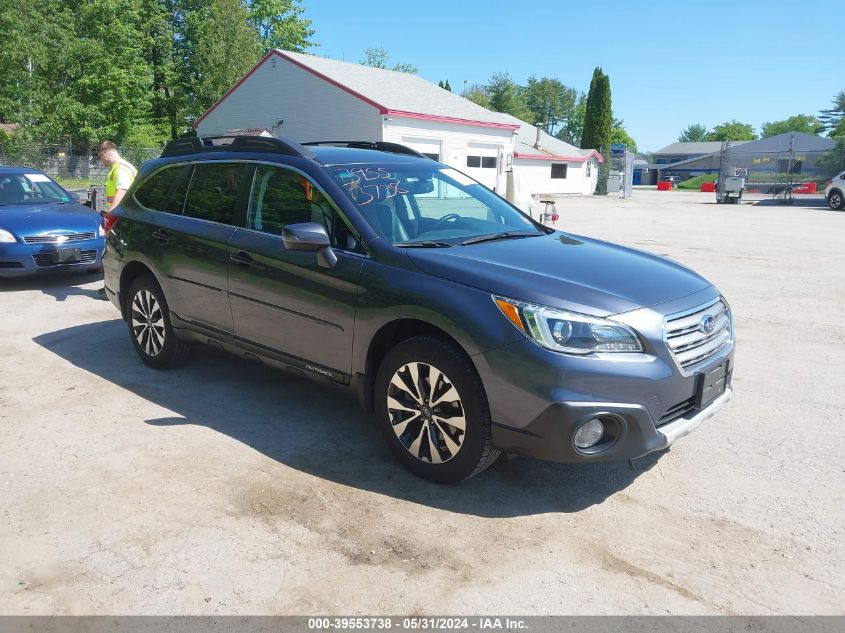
<point x="694" y="133"/>
<point x="378" y="57"/>
<point x="478" y="94"/>
<point x="620" y="135"/>
<point x="159" y="51"/>
<point x="598" y="121"/>
<point x="447" y="86"/>
<point x="832" y="162"/>
<point x="440" y="84"/>
<point x="73" y="70"/>
<point x="834" y="118"/>
<point x="228" y="48"/>
<point x="550" y="102"/>
<point x="280" y="24"/>
<point x="507" y="96"/>
<point x="732" y="131"/>
<point x="573" y="123"/>
<point x="798" y="123"/>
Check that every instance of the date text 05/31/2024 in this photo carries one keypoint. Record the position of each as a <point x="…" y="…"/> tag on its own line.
<point x="417" y="623"/>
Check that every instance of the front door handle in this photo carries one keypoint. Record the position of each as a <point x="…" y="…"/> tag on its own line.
<point x="242" y="258"/>
<point x="161" y="235"/>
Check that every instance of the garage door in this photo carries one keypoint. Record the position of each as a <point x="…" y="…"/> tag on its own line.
<point x="482" y="163"/>
<point x="429" y="147"/>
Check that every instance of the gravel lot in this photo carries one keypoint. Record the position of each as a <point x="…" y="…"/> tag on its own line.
<point x="226" y="488"/>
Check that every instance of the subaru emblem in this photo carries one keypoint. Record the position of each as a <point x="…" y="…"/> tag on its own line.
<point x="708" y="323"/>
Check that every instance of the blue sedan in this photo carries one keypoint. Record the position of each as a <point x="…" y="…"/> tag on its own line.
<point x="43" y="228"/>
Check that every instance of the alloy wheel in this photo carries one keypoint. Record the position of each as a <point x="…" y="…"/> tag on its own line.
<point x="426" y="412"/>
<point x="835" y="201"/>
<point x="148" y="322"/>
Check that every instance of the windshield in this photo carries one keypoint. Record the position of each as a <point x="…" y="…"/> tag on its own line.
<point x="431" y="205"/>
<point x="29" y="189"/>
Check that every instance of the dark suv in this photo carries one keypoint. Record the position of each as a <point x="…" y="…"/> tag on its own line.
<point x="467" y="327"/>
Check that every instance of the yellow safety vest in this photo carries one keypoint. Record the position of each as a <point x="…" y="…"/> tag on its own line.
<point x="114" y="179"/>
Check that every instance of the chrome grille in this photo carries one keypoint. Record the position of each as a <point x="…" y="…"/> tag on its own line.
<point x="51" y="258"/>
<point x="59" y="239"/>
<point x="690" y="340"/>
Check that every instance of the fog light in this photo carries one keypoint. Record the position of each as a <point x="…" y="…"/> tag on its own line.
<point x="589" y="434"/>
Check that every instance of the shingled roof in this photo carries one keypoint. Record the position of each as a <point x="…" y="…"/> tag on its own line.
<point x="391" y="92"/>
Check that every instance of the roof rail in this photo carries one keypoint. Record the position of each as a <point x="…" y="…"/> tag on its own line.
<point x="382" y="146"/>
<point x="194" y="145"/>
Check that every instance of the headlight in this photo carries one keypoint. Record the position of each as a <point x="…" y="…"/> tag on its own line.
<point x="562" y="331"/>
<point x="101" y="231"/>
<point x="6" y="237"/>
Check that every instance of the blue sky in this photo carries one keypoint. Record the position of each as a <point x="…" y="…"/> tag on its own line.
<point x="670" y="64"/>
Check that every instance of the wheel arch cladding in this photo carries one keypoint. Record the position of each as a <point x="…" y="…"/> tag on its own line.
<point x="131" y="271"/>
<point x="390" y="335"/>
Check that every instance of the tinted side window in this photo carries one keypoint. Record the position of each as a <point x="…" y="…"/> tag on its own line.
<point x="281" y="197"/>
<point x="176" y="202"/>
<point x="213" y="191"/>
<point x="156" y="191"/>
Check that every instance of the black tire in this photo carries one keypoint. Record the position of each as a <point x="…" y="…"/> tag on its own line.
<point x="149" y="326"/>
<point x="836" y="200"/>
<point x="436" y="460"/>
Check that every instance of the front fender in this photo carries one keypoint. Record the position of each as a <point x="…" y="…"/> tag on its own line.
<point x="466" y="314"/>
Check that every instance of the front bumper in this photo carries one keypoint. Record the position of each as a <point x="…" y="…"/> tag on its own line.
<point x="550" y="436"/>
<point x="21" y="260"/>
<point x="684" y="426"/>
<point x="539" y="399"/>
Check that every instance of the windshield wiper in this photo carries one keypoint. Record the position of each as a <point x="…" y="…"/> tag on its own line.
<point x="500" y="236"/>
<point x="424" y="244"/>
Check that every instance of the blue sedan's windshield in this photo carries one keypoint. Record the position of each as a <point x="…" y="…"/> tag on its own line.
<point x="421" y="205"/>
<point x="30" y="189"/>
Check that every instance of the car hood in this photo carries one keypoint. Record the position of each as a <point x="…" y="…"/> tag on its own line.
<point x="48" y="218"/>
<point x="566" y="271"/>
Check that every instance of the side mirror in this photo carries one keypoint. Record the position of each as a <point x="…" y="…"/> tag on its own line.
<point x="310" y="236"/>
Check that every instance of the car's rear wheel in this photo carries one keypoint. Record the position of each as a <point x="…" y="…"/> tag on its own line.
<point x="835" y="200"/>
<point x="149" y="326"/>
<point x="433" y="412"/>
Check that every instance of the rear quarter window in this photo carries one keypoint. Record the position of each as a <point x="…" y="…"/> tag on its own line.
<point x="157" y="192"/>
<point x="214" y="190"/>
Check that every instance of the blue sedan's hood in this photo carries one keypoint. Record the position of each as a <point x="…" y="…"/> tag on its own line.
<point x="566" y="271"/>
<point x="31" y="219"/>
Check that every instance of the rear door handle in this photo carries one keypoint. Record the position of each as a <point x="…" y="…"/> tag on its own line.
<point x="243" y="258"/>
<point x="161" y="235"/>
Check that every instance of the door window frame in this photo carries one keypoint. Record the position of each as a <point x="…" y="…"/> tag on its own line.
<point x="244" y="212"/>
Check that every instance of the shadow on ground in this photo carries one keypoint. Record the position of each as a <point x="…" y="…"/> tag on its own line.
<point x="797" y="203"/>
<point x="314" y="429"/>
<point x="58" y="286"/>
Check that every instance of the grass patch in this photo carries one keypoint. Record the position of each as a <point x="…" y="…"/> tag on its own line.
<point x="695" y="183"/>
<point x="80" y="183"/>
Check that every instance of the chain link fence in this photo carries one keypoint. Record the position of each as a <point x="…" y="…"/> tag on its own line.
<point x="67" y="162"/>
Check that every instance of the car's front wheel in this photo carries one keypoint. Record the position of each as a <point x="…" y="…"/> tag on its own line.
<point x="433" y="412"/>
<point x="149" y="326"/>
<point x="835" y="200"/>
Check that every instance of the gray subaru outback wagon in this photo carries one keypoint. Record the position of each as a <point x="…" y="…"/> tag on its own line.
<point x="468" y="328"/>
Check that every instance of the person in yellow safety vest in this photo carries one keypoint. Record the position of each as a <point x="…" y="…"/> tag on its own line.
<point x="121" y="175"/>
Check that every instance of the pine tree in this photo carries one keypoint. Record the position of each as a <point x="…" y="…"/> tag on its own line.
<point x="447" y="86"/>
<point x="598" y="123"/>
<point x="440" y="84"/>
